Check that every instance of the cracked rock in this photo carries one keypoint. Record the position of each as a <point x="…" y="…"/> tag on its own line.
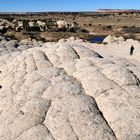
<point x="66" y="91"/>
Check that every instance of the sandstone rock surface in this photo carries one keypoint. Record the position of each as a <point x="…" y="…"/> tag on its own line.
<point x="112" y="38"/>
<point x="66" y="91"/>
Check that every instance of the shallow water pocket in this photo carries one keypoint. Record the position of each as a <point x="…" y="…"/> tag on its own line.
<point x="96" y="39"/>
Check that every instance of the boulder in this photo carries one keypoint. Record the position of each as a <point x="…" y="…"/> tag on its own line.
<point x="1" y="28"/>
<point x="42" y="25"/>
<point x="61" y="24"/>
<point x="112" y="38"/>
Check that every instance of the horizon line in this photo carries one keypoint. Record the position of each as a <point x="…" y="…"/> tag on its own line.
<point x="59" y="11"/>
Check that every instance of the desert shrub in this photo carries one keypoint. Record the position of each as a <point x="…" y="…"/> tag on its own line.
<point x="76" y="23"/>
<point x="72" y="29"/>
<point x="119" y="13"/>
<point x="50" y="24"/>
<point x="25" y="25"/>
<point x="43" y="39"/>
<point x="109" y="27"/>
<point x="10" y="37"/>
<point x="62" y="29"/>
<point x="34" y="28"/>
<point x="3" y="31"/>
<point x="105" y="43"/>
<point x="81" y="30"/>
<point x="90" y="24"/>
<point x="84" y="31"/>
<point x="132" y="29"/>
<point x="125" y="27"/>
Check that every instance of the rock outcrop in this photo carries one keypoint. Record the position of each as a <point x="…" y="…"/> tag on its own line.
<point x="63" y="24"/>
<point x="34" y="25"/>
<point x="112" y="38"/>
<point x="19" y="25"/>
<point x="7" y="45"/>
<point x="66" y="91"/>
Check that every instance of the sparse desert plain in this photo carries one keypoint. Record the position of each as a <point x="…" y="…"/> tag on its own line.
<point x="56" y="25"/>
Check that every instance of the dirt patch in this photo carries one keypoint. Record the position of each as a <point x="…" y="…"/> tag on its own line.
<point x="55" y="36"/>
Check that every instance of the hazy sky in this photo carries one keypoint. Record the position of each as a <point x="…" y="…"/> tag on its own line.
<point x="66" y="5"/>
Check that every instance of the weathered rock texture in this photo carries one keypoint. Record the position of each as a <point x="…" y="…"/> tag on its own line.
<point x="65" y="91"/>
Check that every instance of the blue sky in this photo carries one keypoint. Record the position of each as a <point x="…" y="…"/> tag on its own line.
<point x="65" y="5"/>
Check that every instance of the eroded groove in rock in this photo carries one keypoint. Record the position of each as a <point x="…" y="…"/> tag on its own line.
<point x="61" y="110"/>
<point x="101" y="113"/>
<point x="76" y="53"/>
<point x="86" y="119"/>
<point x="52" y="55"/>
<point x="82" y="51"/>
<point x="38" y="132"/>
<point x="41" y="59"/>
<point x="30" y="62"/>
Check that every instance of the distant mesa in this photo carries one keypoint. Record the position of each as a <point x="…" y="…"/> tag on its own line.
<point x="118" y="10"/>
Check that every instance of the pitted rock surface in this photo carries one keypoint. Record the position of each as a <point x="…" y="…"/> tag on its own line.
<point x="66" y="91"/>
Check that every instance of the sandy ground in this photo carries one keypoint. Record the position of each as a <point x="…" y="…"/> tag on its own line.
<point x="118" y="50"/>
